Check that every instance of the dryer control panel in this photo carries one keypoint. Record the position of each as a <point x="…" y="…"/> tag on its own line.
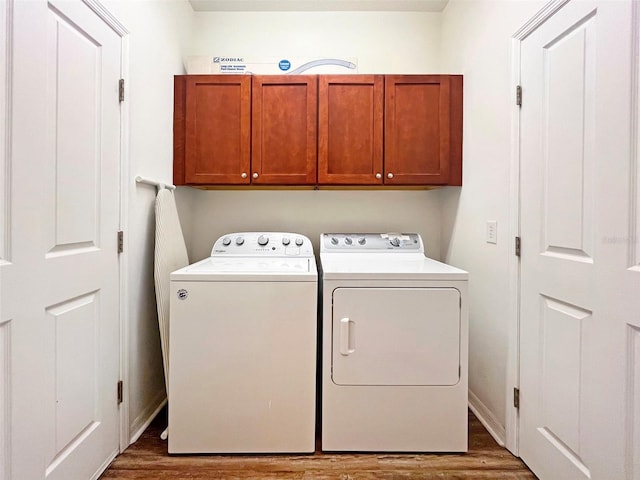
<point x="371" y="242"/>
<point x="262" y="244"/>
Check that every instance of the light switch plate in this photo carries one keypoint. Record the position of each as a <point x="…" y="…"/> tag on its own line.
<point x="492" y="231"/>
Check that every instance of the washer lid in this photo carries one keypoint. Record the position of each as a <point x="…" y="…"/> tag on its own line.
<point x="249" y="269"/>
<point x="377" y="266"/>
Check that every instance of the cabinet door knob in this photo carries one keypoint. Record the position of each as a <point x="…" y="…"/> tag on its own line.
<point x="389" y="175"/>
<point x="244" y="175"/>
<point x="255" y="175"/>
<point x="378" y="176"/>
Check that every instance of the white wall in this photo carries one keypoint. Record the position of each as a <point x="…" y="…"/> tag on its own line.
<point x="476" y="40"/>
<point x="382" y="42"/>
<point x="311" y="213"/>
<point x="160" y="32"/>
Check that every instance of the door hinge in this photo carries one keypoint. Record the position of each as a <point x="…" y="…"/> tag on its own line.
<point x="516" y="397"/>
<point x="120" y="391"/>
<point x="121" y="90"/>
<point x="120" y="241"/>
<point x="519" y="95"/>
<point x="517" y="246"/>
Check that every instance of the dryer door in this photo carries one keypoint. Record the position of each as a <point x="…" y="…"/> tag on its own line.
<point x="396" y="336"/>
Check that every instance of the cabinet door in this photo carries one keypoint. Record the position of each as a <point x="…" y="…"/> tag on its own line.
<point x="419" y="146"/>
<point x="350" y="129"/>
<point x="284" y="123"/>
<point x="215" y="130"/>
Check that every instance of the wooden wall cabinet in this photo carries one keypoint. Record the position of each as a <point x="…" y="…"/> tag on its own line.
<point x="350" y="134"/>
<point x="423" y="130"/>
<point x="243" y="129"/>
<point x="212" y="129"/>
<point x="318" y="130"/>
<point x="284" y="129"/>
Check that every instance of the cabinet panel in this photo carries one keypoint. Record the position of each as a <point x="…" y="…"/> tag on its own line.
<point x="284" y="122"/>
<point x="217" y="124"/>
<point x="417" y="129"/>
<point x="350" y="129"/>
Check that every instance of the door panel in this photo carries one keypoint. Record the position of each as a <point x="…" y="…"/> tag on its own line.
<point x="61" y="287"/>
<point x="633" y="402"/>
<point x="350" y="133"/>
<point x="74" y="107"/>
<point x="569" y="60"/>
<point x="560" y="365"/>
<point x="75" y="325"/>
<point x="284" y="129"/>
<point x="417" y="129"/>
<point x="576" y="292"/>
<point x="217" y="128"/>
<point x="396" y="336"/>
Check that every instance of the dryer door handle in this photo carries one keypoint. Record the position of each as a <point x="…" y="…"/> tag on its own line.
<point x="347" y="336"/>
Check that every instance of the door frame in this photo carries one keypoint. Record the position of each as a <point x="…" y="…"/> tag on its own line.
<point x="512" y="421"/>
<point x="124" y="185"/>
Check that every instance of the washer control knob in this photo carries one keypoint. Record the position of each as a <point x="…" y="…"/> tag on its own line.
<point x="286" y="241"/>
<point x="263" y="240"/>
<point x="299" y="241"/>
<point x="239" y="241"/>
<point x="362" y="241"/>
<point x="395" y="241"/>
<point x="226" y="241"/>
<point x="348" y="241"/>
<point x="334" y="240"/>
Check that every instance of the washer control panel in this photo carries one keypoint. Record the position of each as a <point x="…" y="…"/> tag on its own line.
<point x="263" y="244"/>
<point x="371" y="242"/>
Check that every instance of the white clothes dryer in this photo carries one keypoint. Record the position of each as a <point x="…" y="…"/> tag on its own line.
<point x="394" y="346"/>
<point x="242" y="356"/>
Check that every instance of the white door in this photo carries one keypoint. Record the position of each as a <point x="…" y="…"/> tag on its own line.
<point x="580" y="281"/>
<point x="60" y="297"/>
<point x="396" y="336"/>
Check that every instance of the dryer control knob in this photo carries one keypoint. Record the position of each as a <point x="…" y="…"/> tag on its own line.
<point x="239" y="241"/>
<point x="299" y="242"/>
<point x="263" y="240"/>
<point x="334" y="240"/>
<point x="362" y="241"/>
<point x="395" y="241"/>
<point x="348" y="241"/>
<point x="286" y="241"/>
<point x="226" y="241"/>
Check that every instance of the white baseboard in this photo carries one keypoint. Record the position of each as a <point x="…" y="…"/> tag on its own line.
<point x="487" y="418"/>
<point x="146" y="417"/>
<point x="105" y="465"/>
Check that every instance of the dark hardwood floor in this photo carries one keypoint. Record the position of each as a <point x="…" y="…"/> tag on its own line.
<point x="148" y="459"/>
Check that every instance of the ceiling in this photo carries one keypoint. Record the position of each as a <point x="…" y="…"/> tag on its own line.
<point x="318" y="5"/>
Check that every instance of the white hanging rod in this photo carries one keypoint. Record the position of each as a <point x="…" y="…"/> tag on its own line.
<point x="141" y="179"/>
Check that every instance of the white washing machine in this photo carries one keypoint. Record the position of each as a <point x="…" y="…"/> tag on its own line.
<point x="242" y="356"/>
<point x="394" y="346"/>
